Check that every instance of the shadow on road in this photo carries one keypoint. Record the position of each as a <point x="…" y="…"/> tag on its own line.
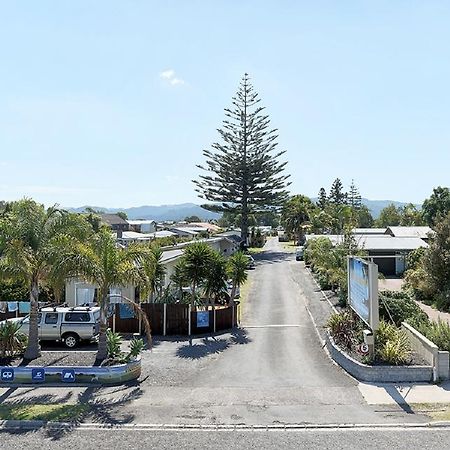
<point x="271" y="257"/>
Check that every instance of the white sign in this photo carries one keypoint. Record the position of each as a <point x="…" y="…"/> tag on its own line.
<point x="363" y="290"/>
<point x="364" y="349"/>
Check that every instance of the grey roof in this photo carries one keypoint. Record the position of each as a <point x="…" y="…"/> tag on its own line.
<point x="171" y="254"/>
<point x="377" y="242"/>
<point x="113" y="219"/>
<point x="369" y="230"/>
<point x="420" y="232"/>
<point x="390" y="243"/>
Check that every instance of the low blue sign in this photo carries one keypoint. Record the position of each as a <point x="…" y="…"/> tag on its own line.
<point x="202" y="319"/>
<point x="7" y="374"/>
<point x="38" y="375"/>
<point x="68" y="375"/>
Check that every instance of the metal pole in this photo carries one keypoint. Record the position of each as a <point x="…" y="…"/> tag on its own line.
<point x="165" y="319"/>
<point x="189" y="321"/>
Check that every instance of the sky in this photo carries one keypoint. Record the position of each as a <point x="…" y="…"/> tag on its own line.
<point x="110" y="103"/>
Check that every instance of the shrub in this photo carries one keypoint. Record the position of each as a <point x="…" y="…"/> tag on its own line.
<point x="113" y="343"/>
<point x="399" y="307"/>
<point x="12" y="341"/>
<point x="345" y="329"/>
<point x="391" y="345"/>
<point x="136" y="347"/>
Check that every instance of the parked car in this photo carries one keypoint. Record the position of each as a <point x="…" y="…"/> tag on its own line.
<point x="299" y="253"/>
<point x="67" y="325"/>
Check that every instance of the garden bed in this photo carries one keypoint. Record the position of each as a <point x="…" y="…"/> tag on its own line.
<point x="63" y="358"/>
<point x="382" y="373"/>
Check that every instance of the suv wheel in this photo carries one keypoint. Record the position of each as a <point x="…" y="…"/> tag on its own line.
<point x="71" y="340"/>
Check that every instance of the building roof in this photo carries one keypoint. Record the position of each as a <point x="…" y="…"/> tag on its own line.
<point x="163" y="234"/>
<point x="113" y="219"/>
<point x="391" y="243"/>
<point x="369" y="230"/>
<point x="420" y="232"/>
<point x="134" y="236"/>
<point x="168" y="255"/>
<point x="377" y="242"/>
<point x="206" y="225"/>
<point x="141" y="222"/>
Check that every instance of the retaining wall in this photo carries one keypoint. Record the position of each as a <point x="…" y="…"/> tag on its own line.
<point x="117" y="374"/>
<point x="382" y="374"/>
<point x="429" y="352"/>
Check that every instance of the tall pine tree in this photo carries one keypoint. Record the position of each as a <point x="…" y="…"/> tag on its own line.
<point x="243" y="174"/>
<point x="337" y="194"/>
<point x="354" y="197"/>
<point x="322" y="199"/>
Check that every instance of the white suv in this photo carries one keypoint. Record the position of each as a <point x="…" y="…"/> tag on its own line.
<point x="67" y="325"/>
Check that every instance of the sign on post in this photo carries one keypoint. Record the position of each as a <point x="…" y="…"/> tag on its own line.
<point x="363" y="290"/>
<point x="202" y="319"/>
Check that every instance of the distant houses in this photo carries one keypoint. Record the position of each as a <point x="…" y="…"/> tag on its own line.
<point x="388" y="247"/>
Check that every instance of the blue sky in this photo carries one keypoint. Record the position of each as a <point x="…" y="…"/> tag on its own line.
<point x="110" y="103"/>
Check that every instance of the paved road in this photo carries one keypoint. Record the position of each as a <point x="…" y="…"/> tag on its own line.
<point x="240" y="440"/>
<point x="272" y="371"/>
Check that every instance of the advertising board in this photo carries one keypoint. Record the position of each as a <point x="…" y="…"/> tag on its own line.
<point x="363" y="290"/>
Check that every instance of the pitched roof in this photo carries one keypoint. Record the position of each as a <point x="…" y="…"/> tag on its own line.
<point x="113" y="219"/>
<point x="420" y="232"/>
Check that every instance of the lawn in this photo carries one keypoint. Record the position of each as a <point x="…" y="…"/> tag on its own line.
<point x="48" y="413"/>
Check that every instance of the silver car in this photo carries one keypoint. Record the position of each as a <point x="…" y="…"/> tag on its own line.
<point x="67" y="325"/>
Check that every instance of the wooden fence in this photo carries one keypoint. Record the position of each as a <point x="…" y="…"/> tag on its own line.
<point x="173" y="319"/>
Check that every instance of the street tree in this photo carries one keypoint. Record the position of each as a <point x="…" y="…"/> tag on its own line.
<point x="337" y="194"/>
<point x="32" y="239"/>
<point x="296" y="214"/>
<point x="437" y="206"/>
<point x="237" y="272"/>
<point x="243" y="173"/>
<point x="389" y="217"/>
<point x="322" y="199"/>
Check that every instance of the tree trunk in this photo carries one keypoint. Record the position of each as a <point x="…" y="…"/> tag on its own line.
<point x="102" y="352"/>
<point x="33" y="350"/>
<point x="233" y="294"/>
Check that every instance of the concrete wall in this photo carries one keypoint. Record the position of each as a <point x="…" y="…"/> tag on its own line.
<point x="429" y="352"/>
<point x="382" y="374"/>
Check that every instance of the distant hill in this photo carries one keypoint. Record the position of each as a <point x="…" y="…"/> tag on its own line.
<point x="375" y="206"/>
<point x="182" y="210"/>
<point x="158" y="213"/>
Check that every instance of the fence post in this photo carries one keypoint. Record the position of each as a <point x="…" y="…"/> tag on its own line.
<point x="214" y="315"/>
<point x="114" y="319"/>
<point x="165" y="319"/>
<point x="17" y="310"/>
<point x="189" y="321"/>
<point x="232" y="315"/>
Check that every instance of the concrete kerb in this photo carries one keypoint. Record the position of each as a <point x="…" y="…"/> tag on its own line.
<point x="14" y="425"/>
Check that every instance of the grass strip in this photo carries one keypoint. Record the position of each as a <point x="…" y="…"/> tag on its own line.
<point x="47" y="413"/>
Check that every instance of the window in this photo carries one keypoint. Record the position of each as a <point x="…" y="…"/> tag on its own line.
<point x="51" y="318"/>
<point x="77" y="317"/>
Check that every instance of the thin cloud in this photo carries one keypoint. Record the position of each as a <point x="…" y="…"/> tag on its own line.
<point x="169" y="76"/>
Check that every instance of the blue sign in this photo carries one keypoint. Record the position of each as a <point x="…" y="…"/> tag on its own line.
<point x="68" y="375"/>
<point x="202" y="319"/>
<point x="38" y="374"/>
<point x="7" y="374"/>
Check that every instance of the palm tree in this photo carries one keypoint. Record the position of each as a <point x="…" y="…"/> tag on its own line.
<point x="197" y="258"/>
<point x="32" y="237"/>
<point x="159" y="271"/>
<point x="102" y="263"/>
<point x="237" y="265"/>
<point x="179" y="277"/>
<point x="216" y="278"/>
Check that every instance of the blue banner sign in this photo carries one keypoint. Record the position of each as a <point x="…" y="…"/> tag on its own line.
<point x="38" y="375"/>
<point x="202" y="319"/>
<point x="7" y="374"/>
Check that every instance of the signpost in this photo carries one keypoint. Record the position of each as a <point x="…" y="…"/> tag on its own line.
<point x="202" y="319"/>
<point x="363" y="298"/>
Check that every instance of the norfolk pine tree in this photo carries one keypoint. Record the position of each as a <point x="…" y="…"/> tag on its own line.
<point x="243" y="174"/>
